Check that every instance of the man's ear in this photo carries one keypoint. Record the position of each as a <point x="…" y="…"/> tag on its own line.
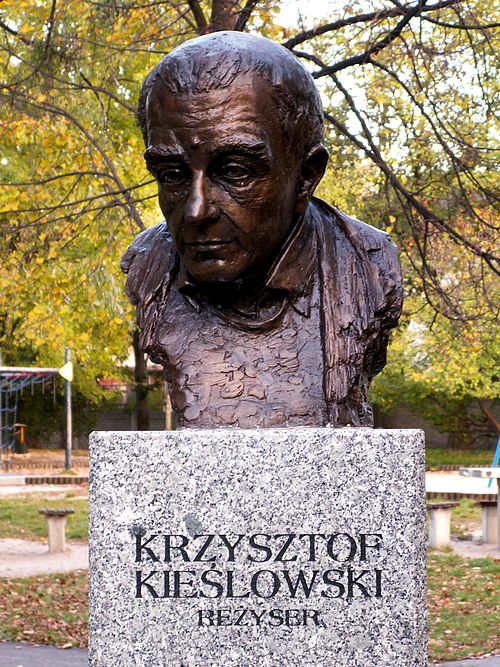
<point x="313" y="168"/>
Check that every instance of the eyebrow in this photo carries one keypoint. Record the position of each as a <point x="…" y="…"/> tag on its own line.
<point x="257" y="148"/>
<point x="157" y="153"/>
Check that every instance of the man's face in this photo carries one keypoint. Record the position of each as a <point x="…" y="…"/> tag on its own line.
<point x="227" y="183"/>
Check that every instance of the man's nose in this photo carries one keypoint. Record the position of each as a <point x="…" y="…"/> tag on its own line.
<point x="199" y="207"/>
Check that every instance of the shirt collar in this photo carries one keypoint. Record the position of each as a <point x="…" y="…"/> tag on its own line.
<point x="292" y="271"/>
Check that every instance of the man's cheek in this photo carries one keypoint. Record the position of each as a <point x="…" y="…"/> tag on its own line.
<point x="163" y="203"/>
<point x="168" y="198"/>
<point x="250" y="198"/>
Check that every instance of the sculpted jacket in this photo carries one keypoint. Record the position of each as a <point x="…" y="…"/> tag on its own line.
<point x="303" y="355"/>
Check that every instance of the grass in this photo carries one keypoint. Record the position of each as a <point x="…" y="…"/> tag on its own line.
<point x="50" y="609"/>
<point x="467" y="510"/>
<point x="464" y="606"/>
<point x="439" y="457"/>
<point x="19" y="517"/>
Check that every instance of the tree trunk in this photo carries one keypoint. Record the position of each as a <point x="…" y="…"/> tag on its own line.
<point x="490" y="416"/>
<point x="141" y="386"/>
<point x="460" y="435"/>
<point x="225" y="15"/>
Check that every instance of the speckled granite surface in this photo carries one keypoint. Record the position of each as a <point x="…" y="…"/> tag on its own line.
<point x="234" y="548"/>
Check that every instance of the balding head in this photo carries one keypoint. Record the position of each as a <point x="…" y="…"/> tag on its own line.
<point x="218" y="60"/>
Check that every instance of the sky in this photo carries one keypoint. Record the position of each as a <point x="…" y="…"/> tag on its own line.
<point x="293" y="10"/>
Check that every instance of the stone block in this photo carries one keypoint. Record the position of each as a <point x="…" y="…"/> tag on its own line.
<point x="490" y="521"/>
<point x="244" y="548"/>
<point x="439" y="524"/>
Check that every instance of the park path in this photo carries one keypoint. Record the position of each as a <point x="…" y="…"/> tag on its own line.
<point x="27" y="558"/>
<point x="24" y="655"/>
<point x="441" y="481"/>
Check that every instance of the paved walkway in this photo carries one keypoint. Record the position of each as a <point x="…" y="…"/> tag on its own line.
<point x="475" y="548"/>
<point x="25" y="558"/>
<point x="480" y="662"/>
<point x="45" y="490"/>
<point x="24" y="655"/>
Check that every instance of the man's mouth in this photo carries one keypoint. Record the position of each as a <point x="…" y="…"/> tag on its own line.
<point x="208" y="244"/>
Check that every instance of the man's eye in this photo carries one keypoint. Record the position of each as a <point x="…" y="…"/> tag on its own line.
<point x="235" y="173"/>
<point x="171" y="174"/>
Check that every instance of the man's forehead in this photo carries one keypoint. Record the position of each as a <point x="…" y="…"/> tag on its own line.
<point x="246" y="90"/>
<point x="243" y="113"/>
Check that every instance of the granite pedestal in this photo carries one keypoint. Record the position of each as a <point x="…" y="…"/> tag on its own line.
<point x="262" y="548"/>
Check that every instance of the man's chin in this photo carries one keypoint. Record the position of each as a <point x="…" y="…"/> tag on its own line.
<point x="215" y="273"/>
<point x="216" y="280"/>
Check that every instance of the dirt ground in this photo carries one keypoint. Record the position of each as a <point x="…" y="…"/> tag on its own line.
<point x="49" y="461"/>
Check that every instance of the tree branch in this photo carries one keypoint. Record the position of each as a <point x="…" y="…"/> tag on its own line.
<point x="374" y="153"/>
<point x="45" y="50"/>
<point x="456" y="161"/>
<point x="23" y="39"/>
<point x="49" y="108"/>
<point x="71" y="85"/>
<point x="362" y="58"/>
<point x="245" y="14"/>
<point x="224" y="15"/>
<point x="490" y="416"/>
<point x="61" y="204"/>
<point x="461" y="26"/>
<point x="360" y="18"/>
<point x="69" y="174"/>
<point x="375" y="156"/>
<point x="199" y="16"/>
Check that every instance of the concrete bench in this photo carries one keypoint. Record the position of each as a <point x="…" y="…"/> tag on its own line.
<point x="56" y="521"/>
<point x="439" y="518"/>
<point x="491" y="534"/>
<point x="489" y="521"/>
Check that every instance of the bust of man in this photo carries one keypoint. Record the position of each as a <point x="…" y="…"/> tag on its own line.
<point x="265" y="306"/>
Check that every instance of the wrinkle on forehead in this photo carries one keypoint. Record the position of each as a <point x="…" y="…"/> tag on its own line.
<point x="213" y="123"/>
<point x="246" y="106"/>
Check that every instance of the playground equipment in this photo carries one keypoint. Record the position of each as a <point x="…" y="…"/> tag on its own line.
<point x="13" y="381"/>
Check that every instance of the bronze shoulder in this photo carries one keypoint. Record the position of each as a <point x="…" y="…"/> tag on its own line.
<point x="371" y="247"/>
<point x="146" y="262"/>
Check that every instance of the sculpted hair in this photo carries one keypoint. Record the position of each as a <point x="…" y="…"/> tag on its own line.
<point x="215" y="61"/>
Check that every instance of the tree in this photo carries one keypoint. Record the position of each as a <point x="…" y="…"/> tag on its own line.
<point x="445" y="370"/>
<point x="409" y="92"/>
<point x="70" y="203"/>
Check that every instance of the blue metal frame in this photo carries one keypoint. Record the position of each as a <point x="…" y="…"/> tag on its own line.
<point x="12" y="382"/>
<point x="496" y="459"/>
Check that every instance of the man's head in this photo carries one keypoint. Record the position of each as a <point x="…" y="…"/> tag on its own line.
<point x="233" y="131"/>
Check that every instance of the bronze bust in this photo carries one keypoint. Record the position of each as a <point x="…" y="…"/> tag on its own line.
<point x="265" y="305"/>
